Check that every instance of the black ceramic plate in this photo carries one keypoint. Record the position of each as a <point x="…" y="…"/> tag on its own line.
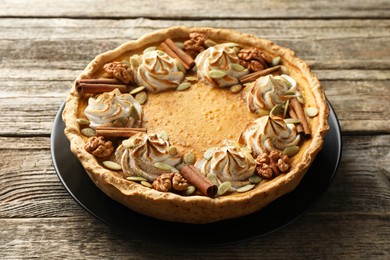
<point x="276" y="215"/>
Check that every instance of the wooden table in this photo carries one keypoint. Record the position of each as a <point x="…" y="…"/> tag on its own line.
<point x="45" y="44"/>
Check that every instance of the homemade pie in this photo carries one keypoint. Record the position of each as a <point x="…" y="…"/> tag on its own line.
<point x="196" y="125"/>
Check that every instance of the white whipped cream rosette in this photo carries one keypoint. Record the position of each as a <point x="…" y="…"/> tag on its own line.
<point x="268" y="91"/>
<point x="228" y="163"/>
<point x="269" y="133"/>
<point x="139" y="154"/>
<point x="221" y="58"/>
<point x="157" y="71"/>
<point x="104" y="109"/>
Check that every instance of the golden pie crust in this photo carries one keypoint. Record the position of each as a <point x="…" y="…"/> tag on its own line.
<point x="200" y="209"/>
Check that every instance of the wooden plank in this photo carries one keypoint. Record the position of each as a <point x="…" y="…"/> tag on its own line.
<point x="31" y="188"/>
<point x="196" y="9"/>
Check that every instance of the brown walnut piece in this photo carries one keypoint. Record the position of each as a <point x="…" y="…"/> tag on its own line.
<point x="168" y="181"/>
<point x="119" y="70"/>
<point x="99" y="147"/>
<point x="271" y="165"/>
<point x="253" y="59"/>
<point x="195" y="44"/>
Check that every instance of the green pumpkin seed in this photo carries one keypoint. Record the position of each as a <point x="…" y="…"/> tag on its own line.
<point x="289" y="93"/>
<point x="209" y="154"/>
<point x="231" y="44"/>
<point x="292" y="121"/>
<point x="134" y="61"/>
<point x="82" y="121"/>
<point x="180" y="45"/>
<point x="172" y="150"/>
<point x="149" y="49"/>
<point x="284" y="70"/>
<point x="191" y="78"/>
<point x="183" y="86"/>
<point x="245" y="188"/>
<point x="210" y="43"/>
<point x="162" y="166"/>
<point x="248" y="156"/>
<point x="217" y="74"/>
<point x="128" y="143"/>
<point x="88" y="132"/>
<point x="255" y="179"/>
<point x="237" y="67"/>
<point x="120" y="122"/>
<point x="180" y="166"/>
<point x="275" y="61"/>
<point x="112" y="165"/>
<point x="235" y="88"/>
<point x="163" y="135"/>
<point x="286" y="108"/>
<point x="246" y="149"/>
<point x="136" y="178"/>
<point x="213" y="178"/>
<point x="141" y="97"/>
<point x="224" y="187"/>
<point x="311" y="111"/>
<point x="146" y="184"/>
<point x="291" y="150"/>
<point x="277" y="110"/>
<point x="262" y="112"/>
<point x="301" y="99"/>
<point x="189" y="158"/>
<point x="134" y="113"/>
<point x="137" y="90"/>
<point x="180" y="66"/>
<point x="190" y="189"/>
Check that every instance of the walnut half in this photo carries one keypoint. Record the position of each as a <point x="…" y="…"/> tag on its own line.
<point x="99" y="147"/>
<point x="119" y="70"/>
<point x="271" y="165"/>
<point x="168" y="181"/>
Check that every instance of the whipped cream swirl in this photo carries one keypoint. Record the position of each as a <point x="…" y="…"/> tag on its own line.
<point x="268" y="91"/>
<point x="269" y="133"/>
<point x="229" y="163"/>
<point x="104" y="109"/>
<point x="138" y="155"/>
<point x="219" y="57"/>
<point x="157" y="71"/>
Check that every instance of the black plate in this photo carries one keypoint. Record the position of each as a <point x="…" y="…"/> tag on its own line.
<point x="276" y="215"/>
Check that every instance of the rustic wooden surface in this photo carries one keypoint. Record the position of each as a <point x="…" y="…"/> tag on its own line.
<point x="45" y="44"/>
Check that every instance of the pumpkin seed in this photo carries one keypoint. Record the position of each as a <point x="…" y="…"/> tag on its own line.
<point x="88" y="132"/>
<point x="149" y="49"/>
<point x="248" y="156"/>
<point x="134" y="113"/>
<point x="163" y="135"/>
<point x="311" y="111"/>
<point x="245" y="188"/>
<point x="237" y="67"/>
<point x="126" y="62"/>
<point x="231" y="44"/>
<point x="284" y="70"/>
<point x="146" y="184"/>
<point x="262" y="112"/>
<point x="183" y="86"/>
<point x="286" y="108"/>
<point x="210" y="43"/>
<point x="291" y="150"/>
<point x="224" y="187"/>
<point x="180" y="45"/>
<point x="213" y="178"/>
<point x="134" y="61"/>
<point x="289" y="93"/>
<point x="255" y="179"/>
<point x="179" y="166"/>
<point x="217" y="74"/>
<point x="172" y="150"/>
<point x="277" y="110"/>
<point x="137" y="90"/>
<point x="292" y="121"/>
<point x="189" y="158"/>
<point x="191" y="78"/>
<point x="141" y="97"/>
<point x="190" y="189"/>
<point x="120" y="122"/>
<point x="235" y="88"/>
<point x="82" y="121"/>
<point x="275" y="61"/>
<point x="301" y="99"/>
<point x="162" y="166"/>
<point x="128" y="143"/>
<point x="209" y="154"/>
<point x="246" y="149"/>
<point x="180" y="66"/>
<point x="112" y="165"/>
<point x="135" y="178"/>
<point x="236" y="49"/>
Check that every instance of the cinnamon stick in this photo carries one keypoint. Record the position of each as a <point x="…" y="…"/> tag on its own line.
<point x="118" y="131"/>
<point x="171" y="53"/>
<point x="197" y="178"/>
<point x="255" y="75"/>
<point x="294" y="115"/>
<point x="296" y="105"/>
<point x="179" y="52"/>
<point x="96" y="86"/>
